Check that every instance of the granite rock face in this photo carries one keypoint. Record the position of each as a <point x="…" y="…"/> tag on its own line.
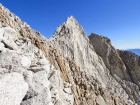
<point x="123" y="65"/>
<point x="69" y="68"/>
<point x="71" y="39"/>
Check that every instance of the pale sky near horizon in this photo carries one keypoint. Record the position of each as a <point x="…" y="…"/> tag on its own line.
<point x="119" y="20"/>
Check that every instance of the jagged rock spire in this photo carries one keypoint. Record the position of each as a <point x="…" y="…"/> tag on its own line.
<point x="71" y="20"/>
<point x="70" y="27"/>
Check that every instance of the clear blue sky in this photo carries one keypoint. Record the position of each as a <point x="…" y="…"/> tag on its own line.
<point x="117" y="19"/>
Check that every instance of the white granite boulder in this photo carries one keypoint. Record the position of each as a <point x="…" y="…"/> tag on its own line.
<point x="12" y="89"/>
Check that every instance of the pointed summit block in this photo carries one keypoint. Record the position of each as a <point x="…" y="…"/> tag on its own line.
<point x="71" y="39"/>
<point x="72" y="23"/>
<point x="70" y="27"/>
<point x="71" y="20"/>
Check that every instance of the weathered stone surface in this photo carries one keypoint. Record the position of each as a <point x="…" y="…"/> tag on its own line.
<point x="11" y="62"/>
<point x="1" y="33"/>
<point x="103" y="48"/>
<point x="12" y="89"/>
<point x="100" y="101"/>
<point x="67" y="69"/>
<point x="119" y="65"/>
<point x="9" y="33"/>
<point x="40" y="85"/>
<point x="59" y="96"/>
<point x="25" y="62"/>
<point x="86" y="68"/>
<point x="132" y="62"/>
<point x="18" y="53"/>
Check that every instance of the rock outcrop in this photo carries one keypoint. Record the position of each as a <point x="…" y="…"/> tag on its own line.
<point x="71" y="39"/>
<point x="122" y="65"/>
<point x="12" y="89"/>
<point x="69" y="68"/>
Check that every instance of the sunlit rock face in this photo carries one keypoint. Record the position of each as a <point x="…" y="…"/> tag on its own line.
<point x="69" y="68"/>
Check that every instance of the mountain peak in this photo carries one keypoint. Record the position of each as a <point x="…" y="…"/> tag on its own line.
<point x="71" y="18"/>
<point x="71" y="21"/>
<point x="70" y="27"/>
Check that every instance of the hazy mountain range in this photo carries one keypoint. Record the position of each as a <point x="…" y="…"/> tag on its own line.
<point x="136" y="51"/>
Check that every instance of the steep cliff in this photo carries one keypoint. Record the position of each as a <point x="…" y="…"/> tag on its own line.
<point x="118" y="65"/>
<point x="71" y="39"/>
<point x="69" y="68"/>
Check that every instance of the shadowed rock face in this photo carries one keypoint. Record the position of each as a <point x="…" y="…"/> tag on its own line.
<point x="132" y="62"/>
<point x="115" y="61"/>
<point x="67" y="69"/>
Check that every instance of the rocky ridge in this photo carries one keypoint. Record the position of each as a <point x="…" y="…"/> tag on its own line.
<point x="69" y="68"/>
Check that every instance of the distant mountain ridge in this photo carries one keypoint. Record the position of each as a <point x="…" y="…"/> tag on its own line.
<point x="136" y="51"/>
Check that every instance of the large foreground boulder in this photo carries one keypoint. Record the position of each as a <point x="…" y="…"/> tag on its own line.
<point x="12" y="89"/>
